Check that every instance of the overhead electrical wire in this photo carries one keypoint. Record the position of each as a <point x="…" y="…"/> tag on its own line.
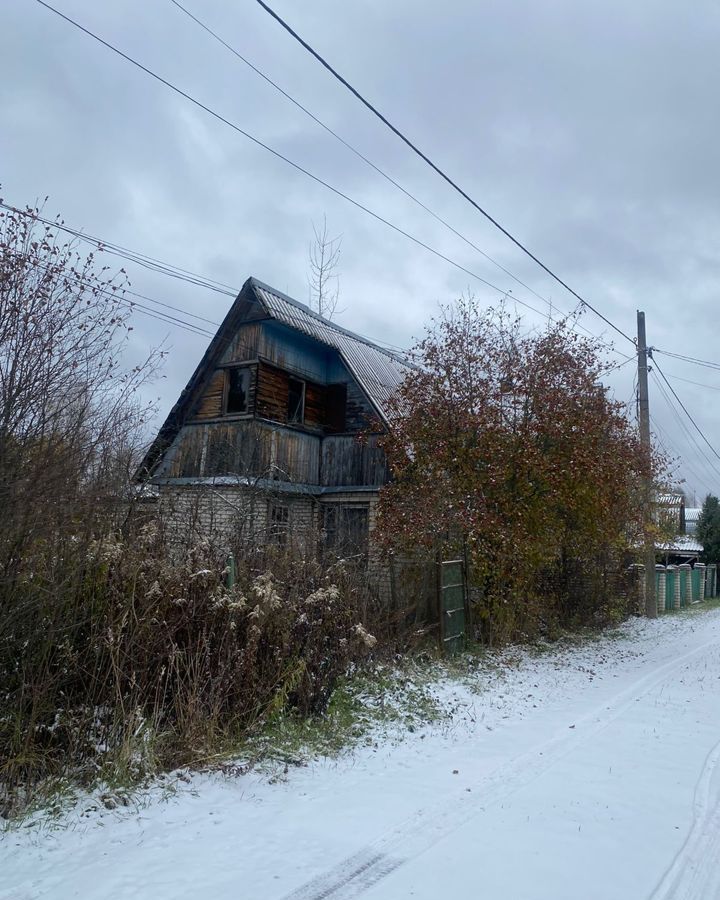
<point x="685" y="410"/>
<point x="680" y="460"/>
<point x="284" y="158"/>
<point x="711" y="387"/>
<point x="437" y="169"/>
<point x="135" y="256"/>
<point x="205" y="27"/>
<point x="692" y="440"/>
<point x="118" y="295"/>
<point x="689" y="359"/>
<point x="281" y="156"/>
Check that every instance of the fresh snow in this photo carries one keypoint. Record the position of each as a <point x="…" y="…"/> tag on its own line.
<point x="588" y="771"/>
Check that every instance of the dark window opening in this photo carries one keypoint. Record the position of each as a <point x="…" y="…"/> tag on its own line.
<point x="345" y="530"/>
<point x="296" y="401"/>
<point x="336" y="406"/>
<point x="279" y="523"/>
<point x="238" y="391"/>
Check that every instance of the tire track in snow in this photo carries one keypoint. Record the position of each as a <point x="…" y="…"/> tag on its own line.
<point x="694" y="874"/>
<point x="425" y="828"/>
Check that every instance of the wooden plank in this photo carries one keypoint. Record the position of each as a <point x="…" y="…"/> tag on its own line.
<point x="210" y="403"/>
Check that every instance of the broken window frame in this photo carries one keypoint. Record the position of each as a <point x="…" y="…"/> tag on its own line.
<point x="233" y="372"/>
<point x="338" y="531"/>
<point x="296" y="408"/>
<point x="278" y="519"/>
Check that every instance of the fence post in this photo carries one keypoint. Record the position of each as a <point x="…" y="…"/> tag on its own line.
<point x="230" y="575"/>
<point x="660" y="581"/>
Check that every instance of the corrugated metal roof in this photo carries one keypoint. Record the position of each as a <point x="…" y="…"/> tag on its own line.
<point x="670" y="499"/>
<point x="681" y="544"/>
<point x="378" y="371"/>
<point x="692" y="513"/>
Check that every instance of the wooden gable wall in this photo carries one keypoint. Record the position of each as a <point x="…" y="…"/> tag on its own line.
<point x="322" y="450"/>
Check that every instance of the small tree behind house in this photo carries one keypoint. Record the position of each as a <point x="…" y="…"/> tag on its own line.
<point x="324" y="280"/>
<point x="508" y="445"/>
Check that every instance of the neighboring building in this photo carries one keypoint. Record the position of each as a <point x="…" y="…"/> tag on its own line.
<point x="681" y="522"/>
<point x="265" y="443"/>
<point x="692" y="514"/>
<point x="670" y="512"/>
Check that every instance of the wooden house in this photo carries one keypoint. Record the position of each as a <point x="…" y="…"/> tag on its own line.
<point x="264" y="442"/>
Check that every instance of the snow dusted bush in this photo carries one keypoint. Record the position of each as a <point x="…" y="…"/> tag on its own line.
<point x="139" y="660"/>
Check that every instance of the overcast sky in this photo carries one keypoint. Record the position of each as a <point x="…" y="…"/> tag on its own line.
<point x="590" y="130"/>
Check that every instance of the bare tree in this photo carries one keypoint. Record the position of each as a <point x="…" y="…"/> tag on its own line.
<point x="324" y="281"/>
<point x="70" y="415"/>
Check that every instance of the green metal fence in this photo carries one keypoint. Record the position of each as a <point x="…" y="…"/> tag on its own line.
<point x="452" y="605"/>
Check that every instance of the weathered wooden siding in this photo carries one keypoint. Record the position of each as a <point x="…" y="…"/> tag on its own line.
<point x="359" y="413"/>
<point x="295" y="456"/>
<point x="271" y="398"/>
<point x="347" y="461"/>
<point x="210" y="404"/>
<point x="315" y="405"/>
<point x="245" y="447"/>
<point x="245" y="345"/>
<point x="290" y="350"/>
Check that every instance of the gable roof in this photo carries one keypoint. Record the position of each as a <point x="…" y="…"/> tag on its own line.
<point x="377" y="371"/>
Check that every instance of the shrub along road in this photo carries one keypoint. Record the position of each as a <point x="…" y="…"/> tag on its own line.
<point x="588" y="770"/>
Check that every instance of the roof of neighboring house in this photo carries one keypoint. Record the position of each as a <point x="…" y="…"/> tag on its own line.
<point x="670" y="499"/>
<point x="377" y="371"/>
<point x="683" y="544"/>
<point x="692" y="514"/>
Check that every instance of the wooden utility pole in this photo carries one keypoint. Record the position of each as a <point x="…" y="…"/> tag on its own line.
<point x="644" y="418"/>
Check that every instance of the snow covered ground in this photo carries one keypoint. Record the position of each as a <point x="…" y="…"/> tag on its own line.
<point x="585" y="772"/>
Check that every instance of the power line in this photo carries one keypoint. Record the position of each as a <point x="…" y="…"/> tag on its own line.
<point x="437" y="169"/>
<point x="135" y="256"/>
<point x="712" y="387"/>
<point x="700" y="457"/>
<point x="679" y="459"/>
<point x="685" y="410"/>
<point x="205" y="27"/>
<point x="692" y="440"/>
<point x="286" y="159"/>
<point x="119" y="298"/>
<point x="101" y="244"/>
<point x="276" y="153"/>
<point x="690" y="359"/>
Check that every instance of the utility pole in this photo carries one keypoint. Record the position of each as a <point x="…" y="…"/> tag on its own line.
<point x="644" y="417"/>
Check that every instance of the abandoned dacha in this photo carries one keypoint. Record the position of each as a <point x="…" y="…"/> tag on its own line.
<point x="275" y="436"/>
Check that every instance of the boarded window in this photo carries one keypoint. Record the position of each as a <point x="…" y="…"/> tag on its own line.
<point x="296" y="401"/>
<point x="279" y="523"/>
<point x="238" y="391"/>
<point x="345" y="530"/>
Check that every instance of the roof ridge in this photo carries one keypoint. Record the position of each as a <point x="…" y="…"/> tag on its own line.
<point x="256" y="283"/>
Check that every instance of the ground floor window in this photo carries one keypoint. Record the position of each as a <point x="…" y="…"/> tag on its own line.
<point x="278" y="523"/>
<point x="345" y="529"/>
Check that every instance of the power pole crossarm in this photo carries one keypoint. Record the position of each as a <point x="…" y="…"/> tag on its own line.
<point x="644" y="418"/>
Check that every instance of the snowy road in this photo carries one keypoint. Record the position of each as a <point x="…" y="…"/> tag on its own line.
<point x="590" y="773"/>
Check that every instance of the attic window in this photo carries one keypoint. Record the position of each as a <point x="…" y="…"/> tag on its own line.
<point x="238" y="391"/>
<point x="296" y="401"/>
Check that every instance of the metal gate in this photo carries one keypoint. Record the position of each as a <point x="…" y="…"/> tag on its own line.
<point x="452" y="605"/>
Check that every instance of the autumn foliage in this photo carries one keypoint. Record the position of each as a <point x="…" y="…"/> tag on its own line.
<point x="507" y="446"/>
